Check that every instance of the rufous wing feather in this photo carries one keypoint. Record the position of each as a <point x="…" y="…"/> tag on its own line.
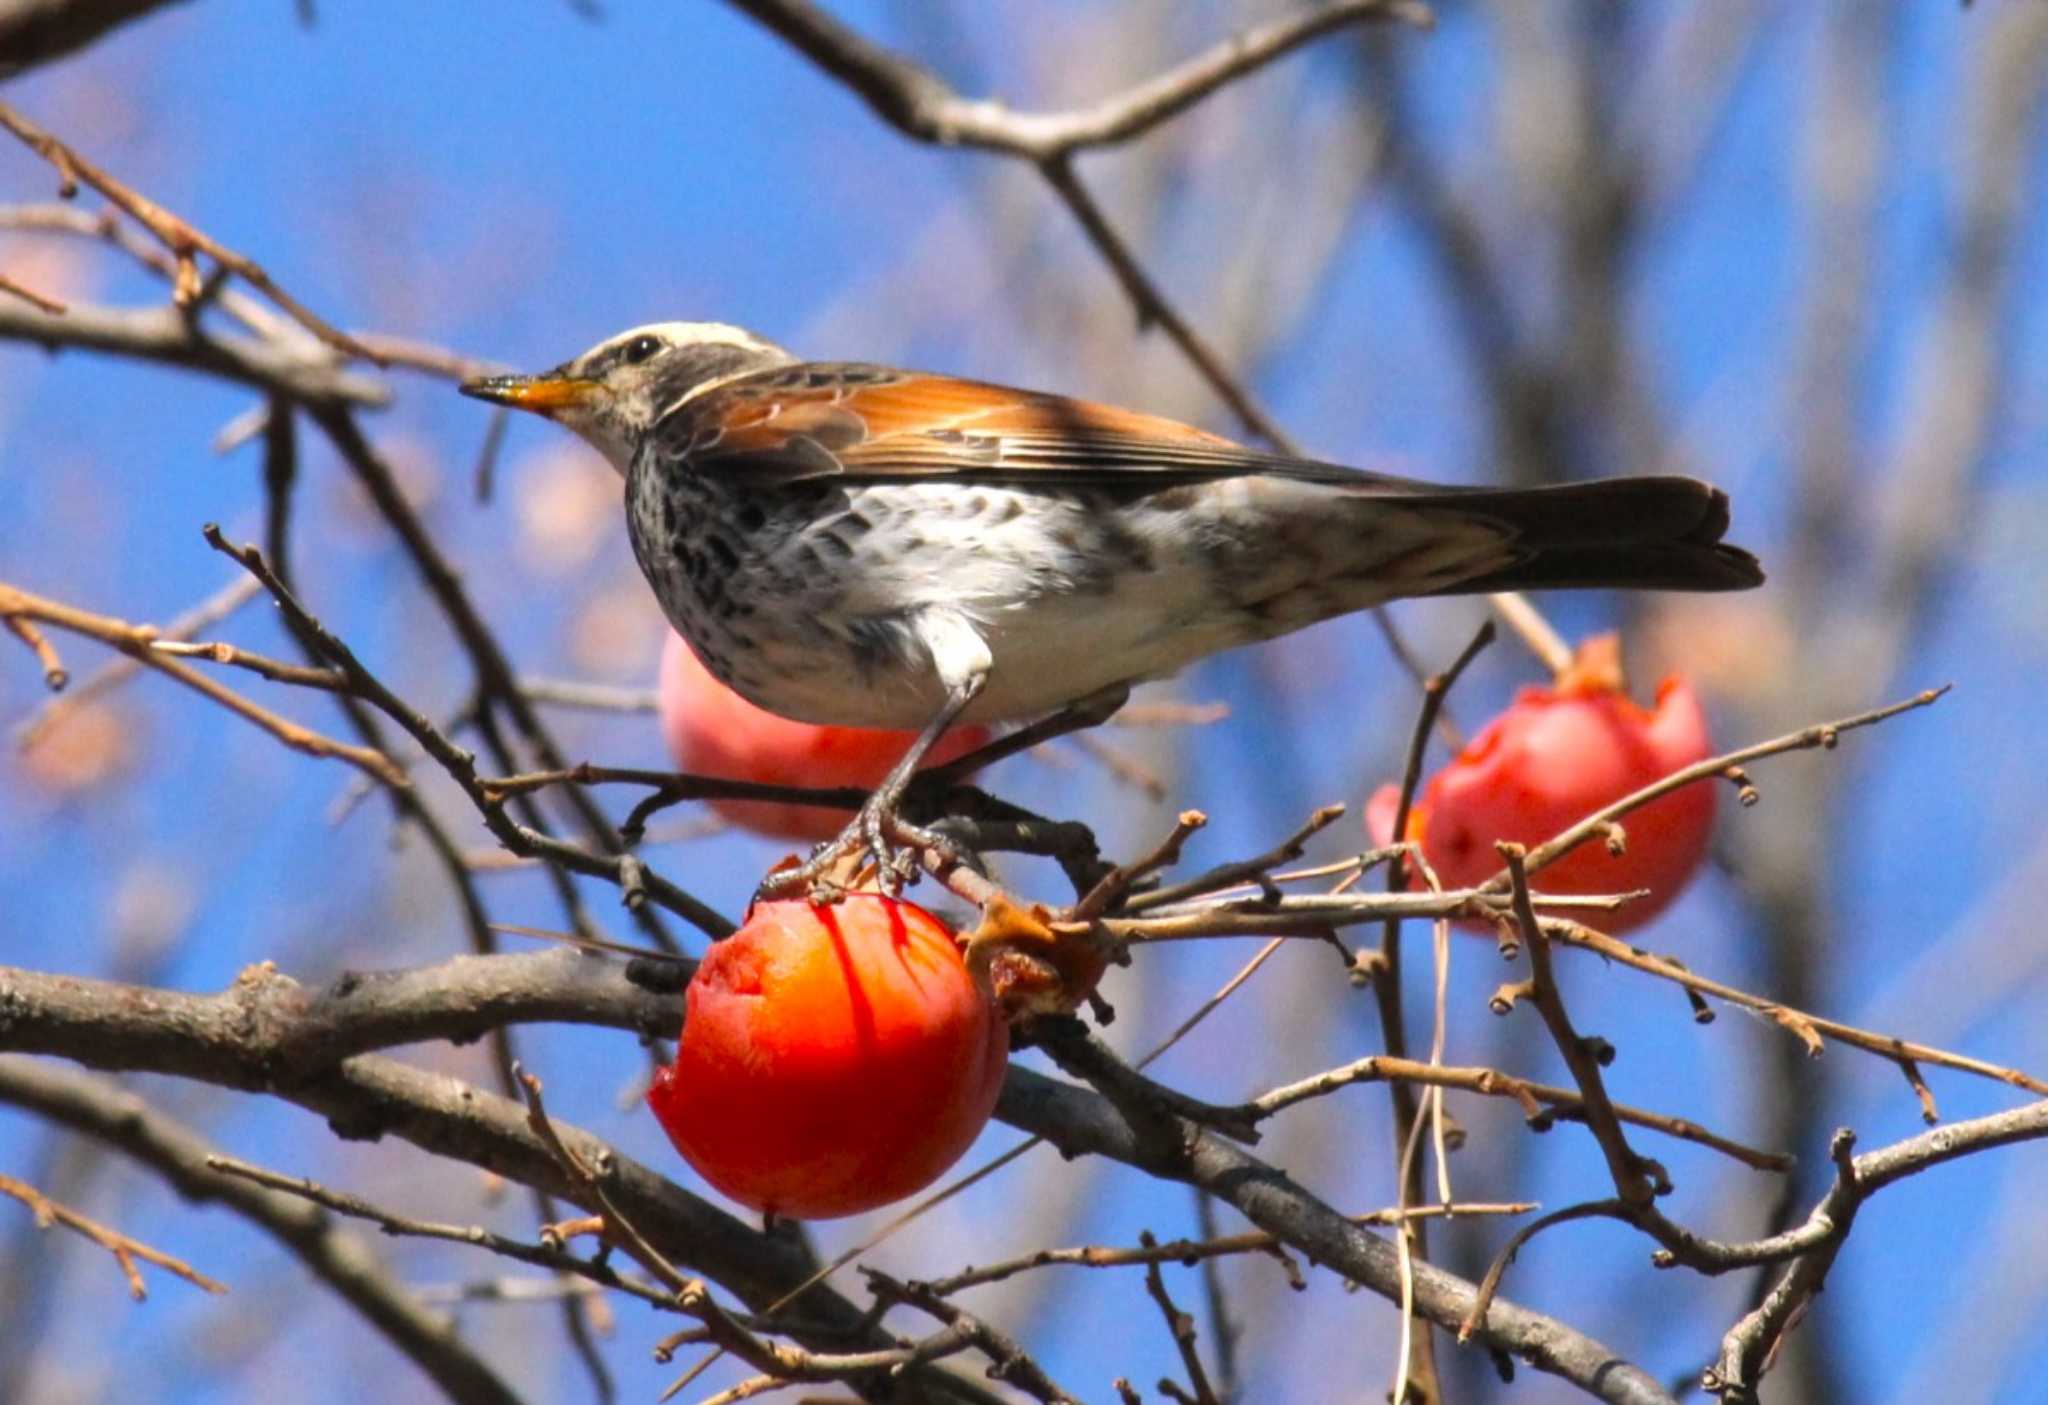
<point x="877" y="423"/>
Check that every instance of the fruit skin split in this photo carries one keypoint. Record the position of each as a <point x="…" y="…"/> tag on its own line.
<point x="834" y="1058"/>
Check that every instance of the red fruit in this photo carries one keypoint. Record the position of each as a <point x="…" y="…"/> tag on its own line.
<point x="834" y="1058"/>
<point x="713" y="731"/>
<point x="1554" y="757"/>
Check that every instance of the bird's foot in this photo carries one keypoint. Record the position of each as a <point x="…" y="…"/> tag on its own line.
<point x="876" y="838"/>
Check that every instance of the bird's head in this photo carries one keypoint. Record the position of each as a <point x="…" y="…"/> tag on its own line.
<point x="613" y="393"/>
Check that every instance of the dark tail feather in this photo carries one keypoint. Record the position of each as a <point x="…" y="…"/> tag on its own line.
<point x="1627" y="533"/>
<point x="1645" y="567"/>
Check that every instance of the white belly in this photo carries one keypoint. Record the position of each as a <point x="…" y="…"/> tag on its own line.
<point x="846" y="608"/>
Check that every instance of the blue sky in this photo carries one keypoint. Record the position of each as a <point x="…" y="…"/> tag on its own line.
<point x="516" y="182"/>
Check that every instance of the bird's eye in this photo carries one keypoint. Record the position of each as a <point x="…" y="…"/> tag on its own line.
<point x="640" y="349"/>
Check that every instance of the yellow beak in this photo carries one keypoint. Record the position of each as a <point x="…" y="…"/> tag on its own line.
<point x="542" y="394"/>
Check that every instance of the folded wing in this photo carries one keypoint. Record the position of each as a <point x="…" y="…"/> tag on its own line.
<point x="865" y="422"/>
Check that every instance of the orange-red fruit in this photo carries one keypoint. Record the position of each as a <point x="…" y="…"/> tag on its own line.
<point x="1554" y="757"/>
<point x="834" y="1058"/>
<point x="713" y="731"/>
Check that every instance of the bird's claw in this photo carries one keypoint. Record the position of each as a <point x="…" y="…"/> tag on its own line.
<point x="876" y="835"/>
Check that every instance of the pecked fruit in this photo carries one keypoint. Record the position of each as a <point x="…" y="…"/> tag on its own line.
<point x="1553" y="757"/>
<point x="834" y="1058"/>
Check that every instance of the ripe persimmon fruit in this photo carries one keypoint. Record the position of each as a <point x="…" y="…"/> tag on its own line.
<point x="834" y="1057"/>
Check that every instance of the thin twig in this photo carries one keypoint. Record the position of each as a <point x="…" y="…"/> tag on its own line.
<point x="1637" y="1179"/>
<point x="918" y="103"/>
<point x="1418" y="1357"/>
<point x="1110" y="889"/>
<point x="461" y="764"/>
<point x="181" y="238"/>
<point x="138" y="643"/>
<point x="55" y="675"/>
<point x="547" y="1255"/>
<point x="1812" y="1029"/>
<point x="1490" y="1285"/>
<point x="1541" y="1103"/>
<point x="211" y="611"/>
<point x="1229" y="875"/>
<point x="1193" y="1250"/>
<point x="1179" y="1325"/>
<point x="1537" y="634"/>
<point x="1009" y="1362"/>
<point x="125" y="1250"/>
<point x="618" y="1229"/>
<point x="31" y="297"/>
<point x="1822" y="736"/>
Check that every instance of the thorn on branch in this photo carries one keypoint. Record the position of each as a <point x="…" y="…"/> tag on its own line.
<point x="1616" y="837"/>
<point x="54" y="673"/>
<point x="1929" y="1113"/>
<point x="1508" y="995"/>
<point x="1746" y="794"/>
<point x="1801" y="1027"/>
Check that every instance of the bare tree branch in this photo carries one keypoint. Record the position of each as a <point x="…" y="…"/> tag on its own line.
<point x="126" y="1122"/>
<point x="1753" y="1342"/>
<point x="166" y="336"/>
<point x="125" y="1248"/>
<point x="266" y="1035"/>
<point x="139" y="642"/>
<point x="1167" y="1146"/>
<point x="917" y="102"/>
<point x="183" y="239"/>
<point x="368" y="1097"/>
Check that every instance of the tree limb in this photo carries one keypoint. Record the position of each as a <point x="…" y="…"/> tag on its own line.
<point x="126" y="1122"/>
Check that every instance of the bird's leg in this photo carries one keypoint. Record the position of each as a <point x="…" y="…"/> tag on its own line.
<point x="876" y="822"/>
<point x="1092" y="711"/>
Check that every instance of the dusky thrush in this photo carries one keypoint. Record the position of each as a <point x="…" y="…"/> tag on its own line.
<point x="865" y="546"/>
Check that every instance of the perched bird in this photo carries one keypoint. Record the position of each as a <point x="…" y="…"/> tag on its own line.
<point x="865" y="546"/>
